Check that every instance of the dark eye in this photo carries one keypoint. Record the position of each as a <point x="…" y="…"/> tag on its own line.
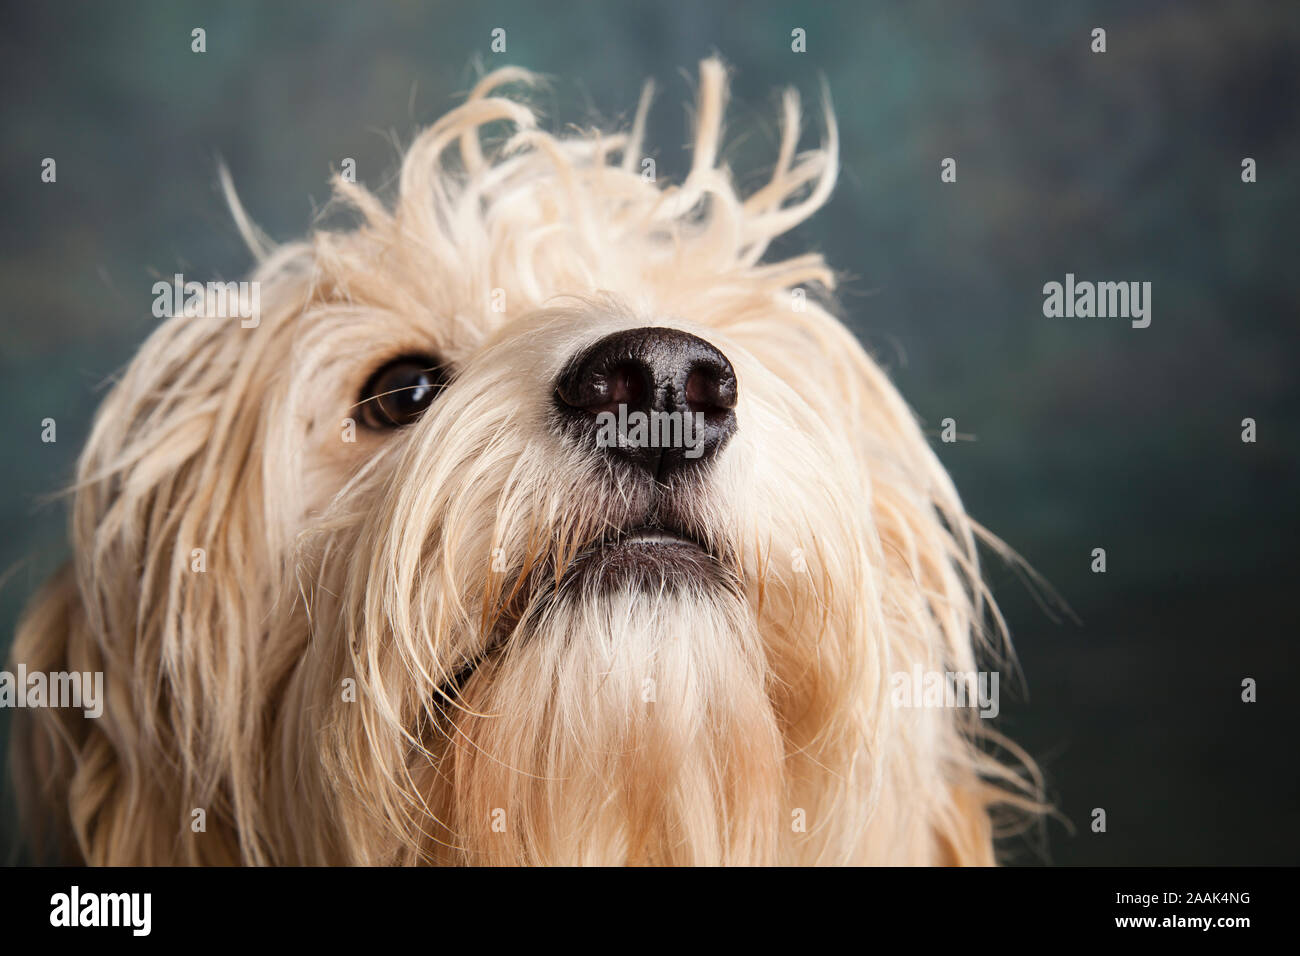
<point x="398" y="393"/>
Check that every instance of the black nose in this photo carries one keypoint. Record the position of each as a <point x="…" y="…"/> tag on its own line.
<point x="659" y="399"/>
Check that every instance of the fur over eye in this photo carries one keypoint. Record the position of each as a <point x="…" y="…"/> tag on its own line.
<point x="399" y="391"/>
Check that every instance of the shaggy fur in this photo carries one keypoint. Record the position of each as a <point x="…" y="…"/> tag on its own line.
<point x="393" y="560"/>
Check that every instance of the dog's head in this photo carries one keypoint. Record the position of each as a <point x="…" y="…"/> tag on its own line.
<point x="535" y="519"/>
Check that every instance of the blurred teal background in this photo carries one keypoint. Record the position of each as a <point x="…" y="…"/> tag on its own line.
<point x="1119" y="166"/>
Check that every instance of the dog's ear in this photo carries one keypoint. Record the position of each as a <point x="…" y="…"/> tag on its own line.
<point x="88" y="789"/>
<point x="174" y="563"/>
<point x="46" y="741"/>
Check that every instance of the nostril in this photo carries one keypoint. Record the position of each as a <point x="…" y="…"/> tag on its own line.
<point x="624" y="384"/>
<point x="601" y="386"/>
<point x="710" y="389"/>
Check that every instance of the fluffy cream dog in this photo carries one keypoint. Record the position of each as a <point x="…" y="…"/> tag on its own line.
<point x="367" y="587"/>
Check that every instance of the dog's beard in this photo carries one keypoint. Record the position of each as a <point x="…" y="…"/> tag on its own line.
<point x="630" y="724"/>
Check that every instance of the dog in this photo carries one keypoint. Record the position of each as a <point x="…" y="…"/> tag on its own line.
<point x="540" y="517"/>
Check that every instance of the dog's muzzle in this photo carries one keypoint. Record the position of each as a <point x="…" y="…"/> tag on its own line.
<point x="659" y="399"/>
